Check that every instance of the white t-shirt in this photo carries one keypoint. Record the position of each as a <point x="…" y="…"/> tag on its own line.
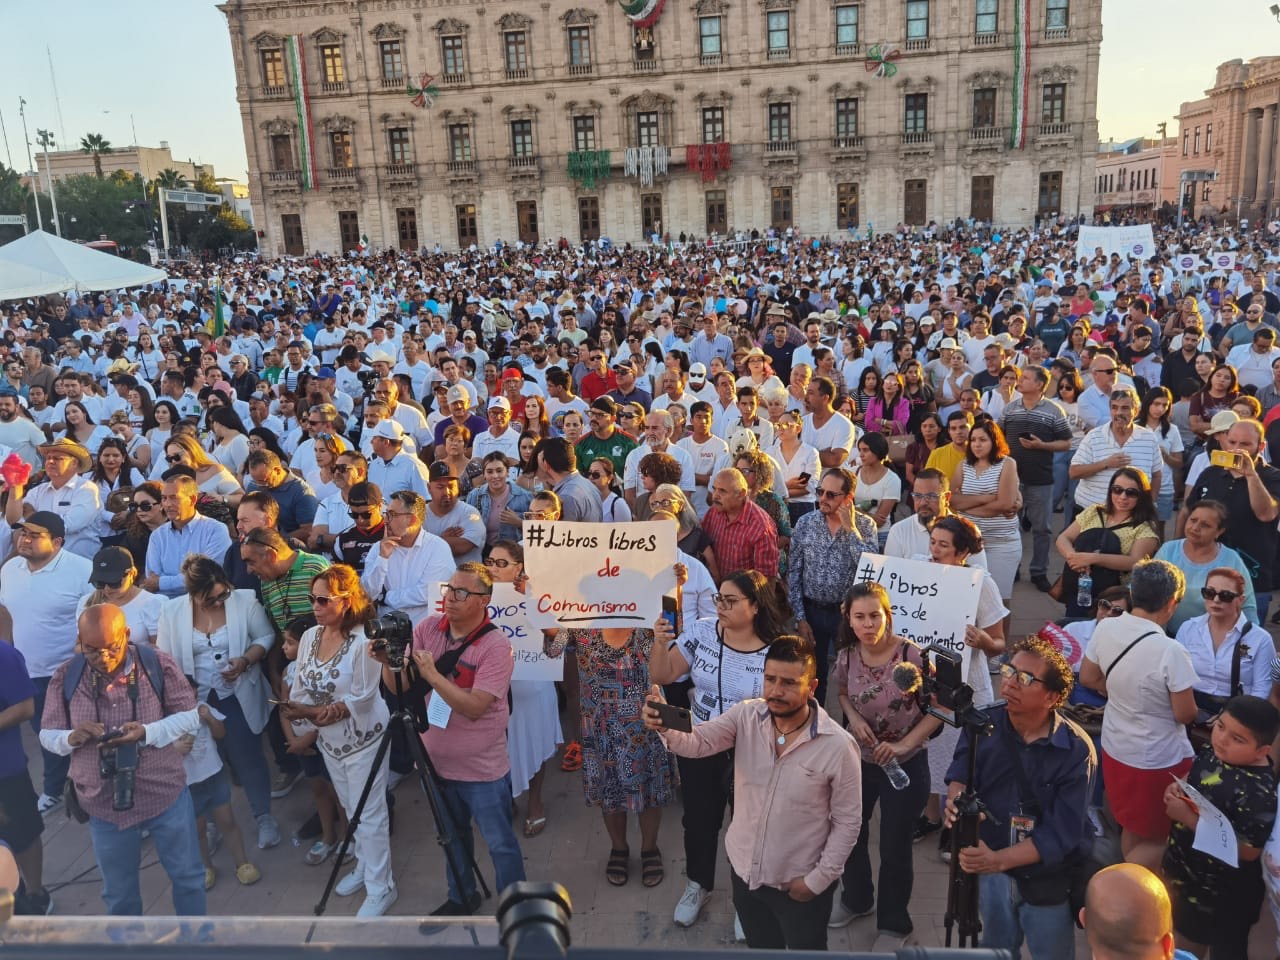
<point x="1138" y="728"/>
<point x="141" y="614"/>
<point x="721" y="675"/>
<point x="709" y="457"/>
<point x="203" y="760"/>
<point x="838" y="433"/>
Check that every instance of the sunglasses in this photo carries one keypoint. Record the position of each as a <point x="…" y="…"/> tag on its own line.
<point x="1112" y="609"/>
<point x="459" y="594"/>
<point x="537" y="515"/>
<point x="1225" y="596"/>
<point x="831" y="494"/>
<point x="494" y="562"/>
<point x="595" y="475"/>
<point x="1119" y="491"/>
<point x="324" y="601"/>
<point x="173" y="458"/>
<point x="360" y="514"/>
<point x="102" y="585"/>
<point x="140" y="506"/>
<point x="219" y="599"/>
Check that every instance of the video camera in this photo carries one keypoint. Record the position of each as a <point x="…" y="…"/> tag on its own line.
<point x="368" y="380"/>
<point x="940" y="688"/>
<point x="391" y="634"/>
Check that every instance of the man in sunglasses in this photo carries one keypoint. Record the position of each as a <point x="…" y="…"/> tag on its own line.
<point x="605" y="439"/>
<point x="398" y="575"/>
<point x="1117" y="443"/>
<point x="364" y="505"/>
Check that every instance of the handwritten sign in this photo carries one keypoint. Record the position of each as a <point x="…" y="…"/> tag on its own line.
<point x="1214" y="833"/>
<point x="508" y="609"/>
<point x="598" y="574"/>
<point x="1134" y="242"/>
<point x="932" y="603"/>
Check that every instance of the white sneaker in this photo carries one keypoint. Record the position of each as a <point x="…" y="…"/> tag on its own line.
<point x="376" y="906"/>
<point x="842" y="916"/>
<point x="690" y="905"/>
<point x="268" y="832"/>
<point x="738" y="935"/>
<point x="351" y="883"/>
<point x="46" y="803"/>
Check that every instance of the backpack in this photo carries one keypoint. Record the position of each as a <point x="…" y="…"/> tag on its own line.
<point x="148" y="659"/>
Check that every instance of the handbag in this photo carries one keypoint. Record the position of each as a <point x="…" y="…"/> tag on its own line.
<point x="898" y="444"/>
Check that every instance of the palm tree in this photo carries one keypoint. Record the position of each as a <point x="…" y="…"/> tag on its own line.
<point x="96" y="144"/>
<point x="170" y="179"/>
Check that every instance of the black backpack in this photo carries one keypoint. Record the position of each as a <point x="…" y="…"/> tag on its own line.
<point x="148" y="659"/>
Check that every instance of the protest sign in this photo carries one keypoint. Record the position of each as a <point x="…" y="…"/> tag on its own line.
<point x="508" y="609"/>
<point x="1224" y="260"/>
<point x="598" y="574"/>
<point x="932" y="603"/>
<point x="1134" y="242"/>
<point x="1186" y="262"/>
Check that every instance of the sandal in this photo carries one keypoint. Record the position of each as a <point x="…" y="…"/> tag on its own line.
<point x="652" y="872"/>
<point x="247" y="874"/>
<point x="533" y="827"/>
<point x="572" y="758"/>
<point x="210" y="877"/>
<point x="615" y="870"/>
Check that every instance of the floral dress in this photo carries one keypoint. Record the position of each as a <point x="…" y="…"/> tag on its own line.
<point x="625" y="766"/>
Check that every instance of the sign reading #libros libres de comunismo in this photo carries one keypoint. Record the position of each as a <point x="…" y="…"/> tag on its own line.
<point x="598" y="574"/>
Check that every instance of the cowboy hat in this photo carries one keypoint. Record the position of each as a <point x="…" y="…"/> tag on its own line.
<point x="68" y="448"/>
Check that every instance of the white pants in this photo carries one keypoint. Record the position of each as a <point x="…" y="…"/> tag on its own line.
<point x="373" y="838"/>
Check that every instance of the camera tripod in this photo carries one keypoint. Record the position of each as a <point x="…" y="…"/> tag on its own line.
<point x="962" y="888"/>
<point x="402" y="719"/>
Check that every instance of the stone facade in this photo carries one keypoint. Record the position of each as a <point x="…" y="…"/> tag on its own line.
<point x="1234" y="130"/>
<point x="819" y="137"/>
<point x="1138" y="178"/>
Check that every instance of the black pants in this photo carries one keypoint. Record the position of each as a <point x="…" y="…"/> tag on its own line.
<point x="705" y="783"/>
<point x="286" y="762"/>
<point x="773" y="921"/>
<point x="899" y="811"/>
<point x="824" y="620"/>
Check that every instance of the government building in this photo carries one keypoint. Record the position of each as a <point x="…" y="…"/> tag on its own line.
<point x="412" y="123"/>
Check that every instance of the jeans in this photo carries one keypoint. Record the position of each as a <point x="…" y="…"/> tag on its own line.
<point x="1064" y="488"/>
<point x="706" y="783"/>
<point x="1037" y="501"/>
<point x="824" y="621"/>
<point x="489" y="803"/>
<point x="772" y="920"/>
<point x="899" y="812"/>
<point x="1263" y="601"/>
<point x="244" y="753"/>
<point x="119" y="854"/>
<point x="55" y="766"/>
<point x="797" y="510"/>
<point x="1050" y="932"/>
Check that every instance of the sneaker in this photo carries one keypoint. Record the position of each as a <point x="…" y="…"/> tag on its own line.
<point x="376" y="906"/>
<point x="319" y="853"/>
<point x="690" y="905"/>
<point x="452" y="908"/>
<point x="888" y="941"/>
<point x="944" y="844"/>
<point x="268" y="832"/>
<point x="924" y="827"/>
<point x="842" y="916"/>
<point x="738" y="935"/>
<point x="33" y="904"/>
<point x="212" y="837"/>
<point x="210" y="878"/>
<point x="47" y="803"/>
<point x="283" y="782"/>
<point x="351" y="883"/>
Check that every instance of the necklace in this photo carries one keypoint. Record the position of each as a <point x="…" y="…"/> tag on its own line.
<point x="781" y="739"/>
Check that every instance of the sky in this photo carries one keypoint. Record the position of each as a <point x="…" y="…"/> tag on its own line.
<point x="163" y="67"/>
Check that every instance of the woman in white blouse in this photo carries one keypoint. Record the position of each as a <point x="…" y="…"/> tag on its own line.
<point x="1224" y="645"/>
<point x="229" y="446"/>
<point x="220" y="636"/>
<point x="799" y="462"/>
<point x="211" y="476"/>
<point x="336" y="690"/>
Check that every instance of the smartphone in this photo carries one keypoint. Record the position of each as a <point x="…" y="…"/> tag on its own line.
<point x="804" y="477"/>
<point x="111" y="735"/>
<point x="672" y="613"/>
<point x="673" y="717"/>
<point x="1224" y="458"/>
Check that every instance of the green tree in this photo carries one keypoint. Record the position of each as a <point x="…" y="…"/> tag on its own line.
<point x="95" y="144"/>
<point x="121" y="177"/>
<point x="91" y="208"/>
<point x="16" y="198"/>
<point x="170" y="179"/>
<point x="205" y="183"/>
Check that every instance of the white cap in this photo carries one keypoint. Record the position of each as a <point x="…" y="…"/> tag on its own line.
<point x="499" y="403"/>
<point x="388" y="430"/>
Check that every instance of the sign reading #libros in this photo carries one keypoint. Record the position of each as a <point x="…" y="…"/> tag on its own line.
<point x="508" y="609"/>
<point x="598" y="574"/>
<point x="932" y="603"/>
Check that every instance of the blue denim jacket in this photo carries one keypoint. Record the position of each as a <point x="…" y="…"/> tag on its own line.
<point x="517" y="502"/>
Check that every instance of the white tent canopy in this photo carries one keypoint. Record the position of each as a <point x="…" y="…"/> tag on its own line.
<point x="41" y="263"/>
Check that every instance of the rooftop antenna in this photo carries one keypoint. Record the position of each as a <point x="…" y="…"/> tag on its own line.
<point x="57" y="101"/>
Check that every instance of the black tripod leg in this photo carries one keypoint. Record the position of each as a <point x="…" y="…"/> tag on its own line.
<point x="384" y="745"/>
<point x="429" y="779"/>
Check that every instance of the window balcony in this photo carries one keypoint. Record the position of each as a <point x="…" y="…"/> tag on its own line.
<point x="787" y="147"/>
<point x="779" y="54"/>
<point x="453" y="79"/>
<point x="521" y="73"/>
<point x="391" y="83"/>
<point x="580" y="69"/>
<point x="986" y="39"/>
<point x="340" y="173"/>
<point x="282" y="176"/>
<point x="711" y="59"/>
<point x="276" y="93"/>
<point x="460" y="166"/>
<point x="524" y="161"/>
<point x="848" y="49"/>
<point x="336" y="88"/>
<point x="986" y="134"/>
<point x="400" y="170"/>
<point x="647" y="65"/>
<point x="918" y="45"/>
<point x="1055" y="130"/>
<point x="920" y="138"/>
<point x="1057" y="33"/>
<point x="847" y="142"/>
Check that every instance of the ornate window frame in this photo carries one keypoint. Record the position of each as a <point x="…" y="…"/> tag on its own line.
<point x="791" y="97"/>
<point x="648" y="101"/>
<point x="714" y="98"/>
<point x="527" y="111"/>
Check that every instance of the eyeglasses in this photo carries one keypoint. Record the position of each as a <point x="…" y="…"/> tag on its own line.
<point x="1025" y="678"/>
<point x="140" y="506"/>
<point x="1119" y="491"/>
<point x="727" y="600"/>
<point x="324" y="601"/>
<point x="173" y="458"/>
<point x="495" y="562"/>
<point x="928" y="497"/>
<point x="666" y="504"/>
<point x="1224" y="596"/>
<point x="1112" y="609"/>
<point x="538" y="515"/>
<point x="459" y="594"/>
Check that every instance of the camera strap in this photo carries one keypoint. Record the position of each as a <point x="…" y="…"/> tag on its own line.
<point x="447" y="662"/>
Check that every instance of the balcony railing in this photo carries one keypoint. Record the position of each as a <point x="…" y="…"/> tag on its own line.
<point x="711" y="59"/>
<point x="580" y="69"/>
<point x="340" y="173"/>
<point x="340" y="86"/>
<point x="847" y="142"/>
<point x="986" y="39"/>
<point x="401" y="169"/>
<point x="914" y="139"/>
<point x="525" y="161"/>
<point x="520" y="73"/>
<point x="780" y="146"/>
<point x="986" y="133"/>
<point x="649" y="65"/>
<point x="276" y="93"/>
<point x="282" y="176"/>
<point x="1055" y="129"/>
<point x="453" y="79"/>
<point x="915" y="46"/>
<point x="781" y="54"/>
<point x="1056" y="33"/>
<point x="390" y="83"/>
<point x="460" y="166"/>
<point x="848" y="49"/>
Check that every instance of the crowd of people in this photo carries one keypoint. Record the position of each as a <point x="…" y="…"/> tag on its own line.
<point x="210" y="487"/>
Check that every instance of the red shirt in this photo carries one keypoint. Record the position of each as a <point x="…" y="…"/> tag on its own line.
<point x="748" y="543"/>
<point x="594" y="385"/>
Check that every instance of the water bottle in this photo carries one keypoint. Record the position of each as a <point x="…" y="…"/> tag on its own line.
<point x="898" y="778"/>
<point x="1084" y="591"/>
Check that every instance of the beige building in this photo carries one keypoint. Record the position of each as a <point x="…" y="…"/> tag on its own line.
<point x="1137" y="179"/>
<point x="1233" y="131"/>
<point x="548" y="120"/>
<point x="148" y="161"/>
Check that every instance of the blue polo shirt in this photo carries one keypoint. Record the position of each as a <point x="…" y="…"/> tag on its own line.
<point x="298" y="504"/>
<point x="15" y="686"/>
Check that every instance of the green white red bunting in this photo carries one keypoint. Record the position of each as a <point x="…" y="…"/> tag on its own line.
<point x="1021" y="73"/>
<point x="642" y="13"/>
<point x="302" y="105"/>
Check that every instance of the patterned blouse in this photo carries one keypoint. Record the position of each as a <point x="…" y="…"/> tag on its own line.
<point x="886" y="709"/>
<point x="350" y="677"/>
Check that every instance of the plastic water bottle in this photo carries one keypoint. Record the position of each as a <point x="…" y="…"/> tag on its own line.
<point x="898" y="778"/>
<point x="1084" y="591"/>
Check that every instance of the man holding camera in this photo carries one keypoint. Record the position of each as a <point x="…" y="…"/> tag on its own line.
<point x="125" y="711"/>
<point x="1034" y="774"/>
<point x="465" y="662"/>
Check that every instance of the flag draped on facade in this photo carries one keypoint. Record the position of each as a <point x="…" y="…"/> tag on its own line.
<point x="1021" y="73"/>
<point x="708" y="159"/>
<point x="302" y="105"/>
<point x="217" y="324"/>
<point x="642" y="13"/>
<point x="588" y="166"/>
<point x="645" y="163"/>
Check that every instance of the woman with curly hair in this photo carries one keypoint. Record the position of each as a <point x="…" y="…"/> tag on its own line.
<point x="655" y="470"/>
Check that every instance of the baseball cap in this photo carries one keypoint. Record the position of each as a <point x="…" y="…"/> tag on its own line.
<point x="44" y="521"/>
<point x="326" y="373"/>
<point x="388" y="430"/>
<point x="1222" y="421"/>
<point x="110" y="564"/>
<point x="459" y="392"/>
<point x="440" y="471"/>
<point x="468" y="335"/>
<point x="605" y="405"/>
<point x="499" y="403"/>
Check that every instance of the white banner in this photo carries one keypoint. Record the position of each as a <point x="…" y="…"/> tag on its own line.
<point x="598" y="574"/>
<point x="932" y="603"/>
<point x="1223" y="260"/>
<point x="1135" y="242"/>
<point x="1186" y="262"/>
<point x="509" y="612"/>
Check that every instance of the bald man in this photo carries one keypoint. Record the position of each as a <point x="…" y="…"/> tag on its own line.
<point x="1127" y="915"/>
<point x="743" y="535"/>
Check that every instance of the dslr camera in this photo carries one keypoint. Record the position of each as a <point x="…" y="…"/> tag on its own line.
<point x="119" y="764"/>
<point x="391" y="635"/>
<point x="368" y="379"/>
